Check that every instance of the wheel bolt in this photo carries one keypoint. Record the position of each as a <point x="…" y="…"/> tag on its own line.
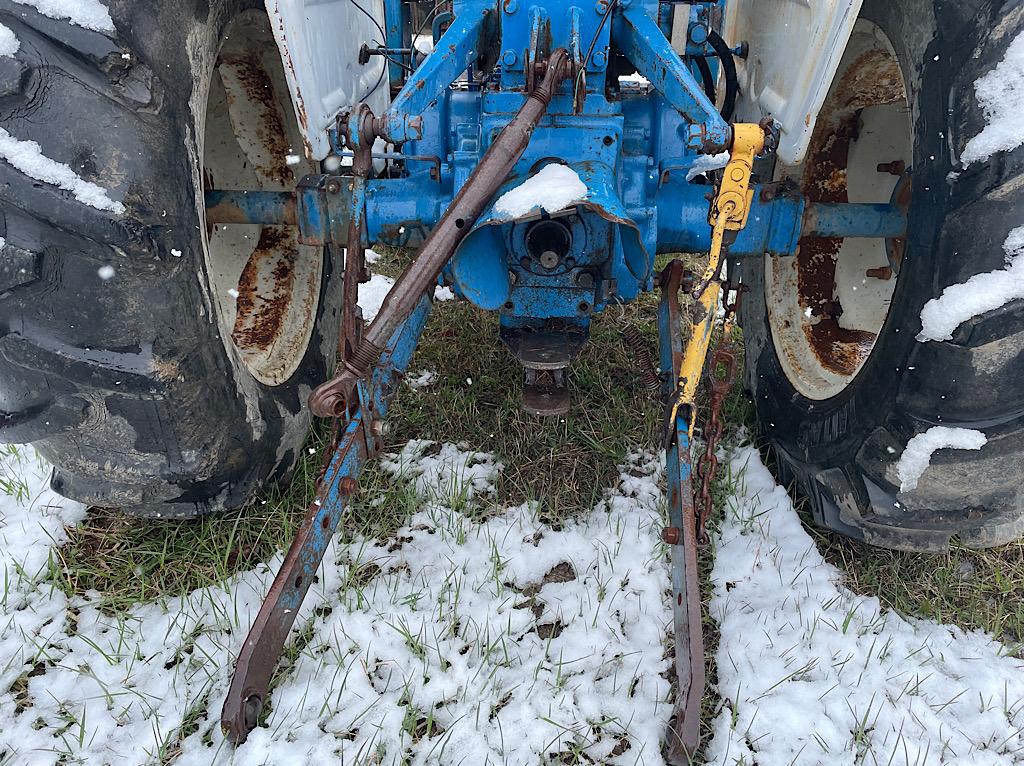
<point x="882" y="272"/>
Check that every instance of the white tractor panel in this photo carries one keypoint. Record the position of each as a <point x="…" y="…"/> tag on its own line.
<point x="795" y="49"/>
<point x="319" y="42"/>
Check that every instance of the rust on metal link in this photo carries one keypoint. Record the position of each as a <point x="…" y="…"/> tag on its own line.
<point x="681" y="536"/>
<point x="355" y="253"/>
<point x="332" y="397"/>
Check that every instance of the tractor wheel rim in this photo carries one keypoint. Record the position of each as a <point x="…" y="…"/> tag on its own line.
<point x="828" y="303"/>
<point x="266" y="286"/>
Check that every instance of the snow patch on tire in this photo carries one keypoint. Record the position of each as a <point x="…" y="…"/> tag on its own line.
<point x="9" y="43"/>
<point x="28" y="157"/>
<point x="90" y="14"/>
<point x="918" y="453"/>
<point x="1001" y="95"/>
<point x="982" y="292"/>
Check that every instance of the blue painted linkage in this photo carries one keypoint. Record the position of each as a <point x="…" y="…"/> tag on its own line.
<point x="640" y="38"/>
<point x="359" y="440"/>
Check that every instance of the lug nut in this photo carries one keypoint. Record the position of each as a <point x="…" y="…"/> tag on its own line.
<point x="882" y="272"/>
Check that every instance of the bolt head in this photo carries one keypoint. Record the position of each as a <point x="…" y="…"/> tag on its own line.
<point x="599" y="59"/>
<point x="670" y="535"/>
<point x="698" y="33"/>
<point x="511" y="6"/>
<point x="509" y="58"/>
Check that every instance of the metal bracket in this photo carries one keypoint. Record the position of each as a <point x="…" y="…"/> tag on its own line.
<point x="643" y="42"/>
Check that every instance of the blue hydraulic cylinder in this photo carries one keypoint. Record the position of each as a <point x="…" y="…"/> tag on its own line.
<point x="643" y="43"/>
<point x="457" y="49"/>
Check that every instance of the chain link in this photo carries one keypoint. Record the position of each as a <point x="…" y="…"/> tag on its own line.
<point x="722" y="373"/>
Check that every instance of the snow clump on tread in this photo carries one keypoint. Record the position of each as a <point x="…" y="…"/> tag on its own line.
<point x="918" y="453"/>
<point x="28" y="157"/>
<point x="982" y="292"/>
<point x="1001" y="95"/>
<point x="90" y="14"/>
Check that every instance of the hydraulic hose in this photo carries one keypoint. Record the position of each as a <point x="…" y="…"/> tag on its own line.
<point x="705" y="77"/>
<point x="732" y="83"/>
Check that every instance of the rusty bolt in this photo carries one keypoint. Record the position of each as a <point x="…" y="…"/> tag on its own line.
<point x="895" y="168"/>
<point x="348" y="486"/>
<point x="670" y="535"/>
<point x="882" y="272"/>
<point x="333" y="187"/>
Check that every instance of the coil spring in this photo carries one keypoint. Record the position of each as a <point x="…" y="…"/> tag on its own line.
<point x="645" y="363"/>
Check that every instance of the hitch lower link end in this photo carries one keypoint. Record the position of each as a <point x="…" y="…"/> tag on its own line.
<point x="729" y="211"/>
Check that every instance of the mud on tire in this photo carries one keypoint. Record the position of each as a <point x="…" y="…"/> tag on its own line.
<point x="175" y="386"/>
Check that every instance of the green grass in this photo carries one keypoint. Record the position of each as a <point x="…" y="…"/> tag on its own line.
<point x="981" y="589"/>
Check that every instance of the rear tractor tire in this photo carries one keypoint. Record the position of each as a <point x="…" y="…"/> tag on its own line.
<point x="161" y="366"/>
<point x="841" y="384"/>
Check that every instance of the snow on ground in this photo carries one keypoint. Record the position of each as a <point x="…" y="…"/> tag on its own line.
<point x="422" y="379"/>
<point x="91" y="14"/>
<point x="554" y="187"/>
<point x="459" y="641"/>
<point x="982" y="292"/>
<point x="373" y="293"/>
<point x="480" y="635"/>
<point x="812" y="673"/>
<point x="919" y="450"/>
<point x="1001" y="95"/>
<point x="28" y="157"/>
<point x="9" y="43"/>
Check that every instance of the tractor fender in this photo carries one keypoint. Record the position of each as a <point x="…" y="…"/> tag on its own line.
<point x="319" y="43"/>
<point x="795" y="47"/>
